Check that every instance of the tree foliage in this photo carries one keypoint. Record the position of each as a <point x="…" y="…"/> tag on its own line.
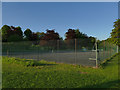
<point x="8" y="32"/>
<point x="75" y="36"/>
<point x="50" y="39"/>
<point x="18" y="31"/>
<point x="11" y="33"/>
<point x="70" y="34"/>
<point x="40" y="34"/>
<point x="28" y="34"/>
<point x="115" y="34"/>
<point x="5" y="32"/>
<point x="34" y="37"/>
<point x="51" y="35"/>
<point x="80" y="34"/>
<point x="14" y="38"/>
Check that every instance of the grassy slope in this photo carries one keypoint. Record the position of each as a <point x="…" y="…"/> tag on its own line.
<point x="19" y="73"/>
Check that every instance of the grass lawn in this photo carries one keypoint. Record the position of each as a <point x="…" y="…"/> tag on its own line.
<point x="22" y="73"/>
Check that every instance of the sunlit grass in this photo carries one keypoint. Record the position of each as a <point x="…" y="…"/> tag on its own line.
<point x="22" y="73"/>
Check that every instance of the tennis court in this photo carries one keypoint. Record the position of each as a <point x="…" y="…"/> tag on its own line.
<point x="75" y="53"/>
<point x="81" y="58"/>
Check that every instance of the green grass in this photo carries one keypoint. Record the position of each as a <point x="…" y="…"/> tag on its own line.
<point x="22" y="73"/>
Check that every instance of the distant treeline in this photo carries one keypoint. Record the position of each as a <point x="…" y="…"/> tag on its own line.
<point x="12" y="34"/>
<point x="49" y="38"/>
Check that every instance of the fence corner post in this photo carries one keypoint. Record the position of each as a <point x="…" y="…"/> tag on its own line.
<point x="96" y="54"/>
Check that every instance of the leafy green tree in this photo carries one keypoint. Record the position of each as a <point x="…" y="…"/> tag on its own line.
<point x="18" y="31"/>
<point x="6" y="30"/>
<point x="80" y="35"/>
<point x="115" y="34"/>
<point x="28" y="34"/>
<point x="82" y="40"/>
<point x="40" y="34"/>
<point x="70" y="34"/>
<point x="92" y="39"/>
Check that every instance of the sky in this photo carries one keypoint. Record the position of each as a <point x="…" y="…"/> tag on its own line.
<point x="60" y="0"/>
<point x="92" y="18"/>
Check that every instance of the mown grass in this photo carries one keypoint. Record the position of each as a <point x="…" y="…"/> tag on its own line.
<point x="22" y="73"/>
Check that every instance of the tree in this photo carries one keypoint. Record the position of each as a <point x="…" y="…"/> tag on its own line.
<point x="82" y="40"/>
<point x="18" y="31"/>
<point x="80" y="35"/>
<point x="6" y="30"/>
<point x="28" y="34"/>
<point x="115" y="34"/>
<point x="14" y="38"/>
<point x="50" y="39"/>
<point x="40" y="34"/>
<point x="70" y="34"/>
<point x="70" y="38"/>
<point x="10" y="32"/>
<point x="51" y="35"/>
<point x="34" y="37"/>
<point x="92" y="39"/>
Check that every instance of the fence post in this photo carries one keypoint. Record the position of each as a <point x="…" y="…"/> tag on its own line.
<point x="58" y="60"/>
<point x="96" y="54"/>
<point x="75" y="50"/>
<point x="104" y="49"/>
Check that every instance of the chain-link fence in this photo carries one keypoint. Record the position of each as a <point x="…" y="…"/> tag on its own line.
<point x="106" y="50"/>
<point x="73" y="51"/>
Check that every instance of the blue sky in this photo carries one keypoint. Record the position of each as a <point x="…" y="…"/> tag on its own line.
<point x="93" y="19"/>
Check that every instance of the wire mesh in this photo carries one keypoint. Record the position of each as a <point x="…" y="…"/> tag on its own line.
<point x="72" y="51"/>
<point x="106" y="50"/>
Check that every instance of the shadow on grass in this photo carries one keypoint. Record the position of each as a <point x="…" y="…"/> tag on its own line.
<point x="111" y="84"/>
<point x="105" y="62"/>
<point x="45" y="64"/>
<point x="34" y="63"/>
